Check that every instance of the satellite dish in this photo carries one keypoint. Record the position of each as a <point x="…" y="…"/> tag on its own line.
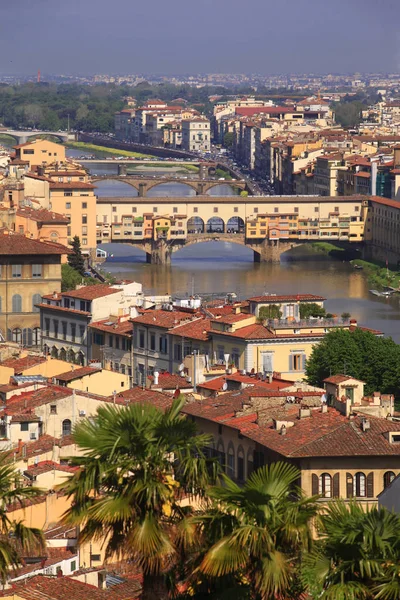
<point x="225" y="387"/>
<point x="181" y="367"/>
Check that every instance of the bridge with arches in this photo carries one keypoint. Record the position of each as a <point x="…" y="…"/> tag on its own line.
<point x="23" y="136"/>
<point x="143" y="184"/>
<point x="269" y="225"/>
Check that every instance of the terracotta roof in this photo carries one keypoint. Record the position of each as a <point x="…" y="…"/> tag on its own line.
<point x="45" y="466"/>
<point x="246" y="380"/>
<point x="61" y="531"/>
<point x="124" y="328"/>
<point x="288" y="298"/>
<point x="143" y="396"/>
<point x="42" y="215"/>
<point x="233" y="318"/>
<point x="195" y="330"/>
<point x="63" y="309"/>
<point x="249" y="332"/>
<point x="42" y="587"/>
<point x="36" y="176"/>
<point x="336" y="379"/>
<point x="55" y="556"/>
<point x="28" y="401"/>
<point x="163" y="318"/>
<point x="385" y="201"/>
<point x="77" y="374"/>
<point x="91" y="292"/>
<point x="21" y="364"/>
<point x="168" y="381"/>
<point x="71" y="185"/>
<point x="11" y="244"/>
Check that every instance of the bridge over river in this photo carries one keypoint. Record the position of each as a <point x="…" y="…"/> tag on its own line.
<point x="23" y="136"/>
<point x="269" y="225"/>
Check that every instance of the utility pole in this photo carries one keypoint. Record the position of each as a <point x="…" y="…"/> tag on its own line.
<point x="68" y="123"/>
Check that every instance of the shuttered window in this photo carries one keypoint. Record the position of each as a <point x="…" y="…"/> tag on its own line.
<point x="370" y="485"/>
<point x="336" y="485"/>
<point x="349" y="485"/>
<point x="267" y="362"/>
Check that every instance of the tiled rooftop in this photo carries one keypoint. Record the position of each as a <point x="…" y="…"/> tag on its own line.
<point x="71" y="375"/>
<point x="164" y="318"/>
<point x="14" y="243"/>
<point x="124" y="328"/>
<point x="91" y="292"/>
<point x="21" y="364"/>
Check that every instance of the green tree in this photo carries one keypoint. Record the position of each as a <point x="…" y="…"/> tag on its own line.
<point x="75" y="259"/>
<point x="259" y="530"/>
<point x="70" y="278"/>
<point x="244" y="193"/>
<point x="228" y="139"/>
<point x="271" y="311"/>
<point x="16" y="540"/>
<point x="359" y="353"/>
<point x="311" y="309"/>
<point x="348" y="114"/>
<point x="356" y="556"/>
<point x="138" y="461"/>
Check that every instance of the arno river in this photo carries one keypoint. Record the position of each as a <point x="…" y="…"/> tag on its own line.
<point x="227" y="267"/>
<point x="218" y="267"/>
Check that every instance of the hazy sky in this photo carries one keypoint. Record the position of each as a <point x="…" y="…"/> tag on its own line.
<point x="181" y="36"/>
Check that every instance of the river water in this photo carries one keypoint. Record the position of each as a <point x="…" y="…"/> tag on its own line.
<point x="221" y="267"/>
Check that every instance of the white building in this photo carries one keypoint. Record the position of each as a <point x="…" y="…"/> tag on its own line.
<point x="196" y="134"/>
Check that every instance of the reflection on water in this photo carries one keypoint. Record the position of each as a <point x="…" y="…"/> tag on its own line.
<point x="215" y="267"/>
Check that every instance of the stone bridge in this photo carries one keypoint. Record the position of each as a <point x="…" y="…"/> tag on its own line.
<point x="160" y="251"/>
<point x="143" y="184"/>
<point x="23" y="136"/>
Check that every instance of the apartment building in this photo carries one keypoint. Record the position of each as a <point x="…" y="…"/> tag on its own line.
<point x="346" y="450"/>
<point x="40" y="152"/>
<point x="162" y="339"/>
<point x="29" y="269"/>
<point x="65" y="317"/>
<point x="123" y="123"/>
<point x="112" y="344"/>
<point x="196" y="134"/>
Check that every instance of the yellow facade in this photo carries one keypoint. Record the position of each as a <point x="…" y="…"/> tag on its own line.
<point x="23" y="281"/>
<point x="79" y="205"/>
<point x="39" y="152"/>
<point x="161" y="228"/>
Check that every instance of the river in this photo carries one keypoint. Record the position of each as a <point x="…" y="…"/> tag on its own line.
<point x="220" y="267"/>
<point x="215" y="267"/>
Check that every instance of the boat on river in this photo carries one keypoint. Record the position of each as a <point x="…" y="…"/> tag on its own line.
<point x="384" y="294"/>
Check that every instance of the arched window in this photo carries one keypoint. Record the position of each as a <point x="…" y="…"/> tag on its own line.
<point x="215" y="225"/>
<point x="27" y="336"/>
<point x="36" y="299"/>
<point x="17" y="303"/>
<point x="17" y="335"/>
<point x="235" y="225"/>
<point x="325" y="485"/>
<point x="250" y="462"/>
<point x="54" y="352"/>
<point x="240" y="464"/>
<point x="63" y="354"/>
<point x="195" y="225"/>
<point x="66" y="427"/>
<point x="231" y="460"/>
<point x="388" y="478"/>
<point x="123" y="369"/>
<point x="360" y="485"/>
<point x="36" y="337"/>
<point x="221" y="453"/>
<point x="80" y="359"/>
<point x="46" y="350"/>
<point x="71" y="356"/>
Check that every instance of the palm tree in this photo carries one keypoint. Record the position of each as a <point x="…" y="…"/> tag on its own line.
<point x="358" y="555"/>
<point x="138" y="462"/>
<point x="258" y="531"/>
<point x="16" y="540"/>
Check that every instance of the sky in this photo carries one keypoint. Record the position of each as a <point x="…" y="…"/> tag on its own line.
<point x="191" y="36"/>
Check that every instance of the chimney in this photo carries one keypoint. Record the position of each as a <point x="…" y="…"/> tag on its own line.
<point x="156" y="376"/>
<point x="282" y="430"/>
<point x="19" y="445"/>
<point x="304" y="413"/>
<point x="365" y="424"/>
<point x="353" y="322"/>
<point x="324" y="408"/>
<point x="270" y="377"/>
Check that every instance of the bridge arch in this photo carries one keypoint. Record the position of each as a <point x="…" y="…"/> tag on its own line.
<point x="126" y="180"/>
<point x="215" y="225"/>
<point x="235" y="225"/>
<point x="231" y="183"/>
<point x="160" y="184"/>
<point x="195" y="225"/>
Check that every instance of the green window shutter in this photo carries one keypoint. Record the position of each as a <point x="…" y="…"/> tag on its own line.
<point x="291" y="362"/>
<point x="349" y="485"/>
<point x="303" y="362"/>
<point x="336" y="486"/>
<point x="370" y="485"/>
<point x="314" y="485"/>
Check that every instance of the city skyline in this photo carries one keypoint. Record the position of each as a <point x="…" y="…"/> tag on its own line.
<point x="263" y="38"/>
